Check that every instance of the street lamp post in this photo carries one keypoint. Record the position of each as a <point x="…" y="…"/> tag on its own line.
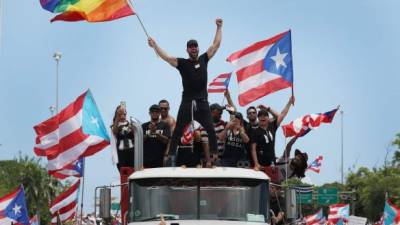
<point x="341" y="114"/>
<point x="57" y="57"/>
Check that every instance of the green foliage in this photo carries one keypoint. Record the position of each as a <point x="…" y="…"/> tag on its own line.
<point x="373" y="185"/>
<point x="40" y="187"/>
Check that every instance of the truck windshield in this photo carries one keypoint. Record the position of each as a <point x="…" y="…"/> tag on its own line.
<point x="199" y="199"/>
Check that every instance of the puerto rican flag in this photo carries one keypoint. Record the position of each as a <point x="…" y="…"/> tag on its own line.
<point x="65" y="204"/>
<point x="13" y="208"/>
<point x="316" y="164"/>
<point x="74" y="169"/>
<point x="391" y="214"/>
<point x="338" y="214"/>
<point x="315" y="219"/>
<point x="77" y="131"/>
<point x="301" y="126"/>
<point x="34" y="220"/>
<point x="220" y="83"/>
<point x="188" y="132"/>
<point x="263" y="67"/>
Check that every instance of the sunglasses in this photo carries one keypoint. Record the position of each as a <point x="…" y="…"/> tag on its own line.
<point x="252" y="112"/>
<point x="164" y="108"/>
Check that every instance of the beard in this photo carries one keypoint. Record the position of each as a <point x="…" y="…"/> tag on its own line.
<point x="193" y="55"/>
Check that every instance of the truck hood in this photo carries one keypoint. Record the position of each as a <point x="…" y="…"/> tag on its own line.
<point x="199" y="222"/>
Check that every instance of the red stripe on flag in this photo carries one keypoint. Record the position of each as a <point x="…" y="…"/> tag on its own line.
<point x="219" y="90"/>
<point x="255" y="47"/>
<point x="217" y="84"/>
<point x="249" y="71"/>
<point x="262" y="90"/>
<point x="65" y="209"/>
<point x="65" y="144"/>
<point x="65" y="194"/>
<point x="95" y="148"/>
<point x="52" y="124"/>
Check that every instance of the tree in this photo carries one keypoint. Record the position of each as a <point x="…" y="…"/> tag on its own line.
<point x="372" y="185"/>
<point x="40" y="187"/>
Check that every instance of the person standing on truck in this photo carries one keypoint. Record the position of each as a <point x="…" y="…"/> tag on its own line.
<point x="122" y="139"/>
<point x="156" y="138"/>
<point x="235" y="138"/>
<point x="193" y="71"/>
<point x="263" y="138"/>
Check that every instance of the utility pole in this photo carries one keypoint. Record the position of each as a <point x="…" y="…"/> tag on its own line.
<point x="341" y="114"/>
<point x="57" y="57"/>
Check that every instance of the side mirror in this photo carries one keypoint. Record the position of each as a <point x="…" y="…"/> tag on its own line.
<point x="105" y="203"/>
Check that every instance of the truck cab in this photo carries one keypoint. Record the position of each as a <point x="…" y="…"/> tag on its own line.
<point x="195" y="196"/>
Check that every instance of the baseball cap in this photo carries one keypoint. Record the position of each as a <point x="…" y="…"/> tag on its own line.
<point x="191" y="42"/>
<point x="154" y="108"/>
<point x="303" y="155"/>
<point x="216" y="106"/>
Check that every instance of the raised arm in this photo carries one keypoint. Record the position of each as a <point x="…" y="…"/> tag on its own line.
<point x="173" y="61"/>
<point x="229" y="99"/>
<point x="286" y="153"/>
<point x="285" y="110"/>
<point x="217" y="39"/>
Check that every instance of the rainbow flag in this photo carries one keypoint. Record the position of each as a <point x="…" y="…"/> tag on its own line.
<point x="89" y="10"/>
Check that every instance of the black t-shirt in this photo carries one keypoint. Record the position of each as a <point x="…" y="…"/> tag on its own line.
<point x="249" y="128"/>
<point x="234" y="146"/>
<point x="154" y="149"/>
<point x="194" y="77"/>
<point x="125" y="145"/>
<point x="265" y="140"/>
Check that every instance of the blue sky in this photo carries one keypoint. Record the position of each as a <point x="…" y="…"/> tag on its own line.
<point x="344" y="52"/>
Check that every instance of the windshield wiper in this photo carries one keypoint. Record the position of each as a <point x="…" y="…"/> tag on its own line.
<point x="229" y="218"/>
<point x="166" y="217"/>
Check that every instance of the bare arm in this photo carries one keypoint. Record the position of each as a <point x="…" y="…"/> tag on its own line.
<point x="173" y="61"/>
<point x="229" y="99"/>
<point x="254" y="156"/>
<point x="244" y="136"/>
<point x="217" y="40"/>
<point x="274" y="113"/>
<point x="286" y="153"/>
<point x="285" y="110"/>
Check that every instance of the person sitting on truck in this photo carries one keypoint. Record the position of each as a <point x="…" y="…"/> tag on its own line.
<point x="122" y="139"/>
<point x="292" y="167"/>
<point x="235" y="138"/>
<point x="156" y="137"/>
<point x="263" y="138"/>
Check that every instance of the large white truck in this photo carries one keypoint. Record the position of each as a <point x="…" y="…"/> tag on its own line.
<point x="195" y="196"/>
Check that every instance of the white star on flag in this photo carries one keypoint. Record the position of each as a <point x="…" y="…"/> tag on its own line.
<point x="279" y="59"/>
<point x="95" y="121"/>
<point x="17" y="209"/>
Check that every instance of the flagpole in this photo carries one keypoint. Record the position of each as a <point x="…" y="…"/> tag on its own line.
<point x="341" y="114"/>
<point x="1" y="22"/>
<point x="83" y="190"/>
<point x="57" y="57"/>
<point x="140" y="21"/>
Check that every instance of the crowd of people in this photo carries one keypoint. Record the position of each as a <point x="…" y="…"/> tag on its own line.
<point x="213" y="142"/>
<point x="241" y="142"/>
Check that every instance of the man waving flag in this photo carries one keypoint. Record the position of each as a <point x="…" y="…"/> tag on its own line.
<point x="77" y="131"/>
<point x="264" y="67"/>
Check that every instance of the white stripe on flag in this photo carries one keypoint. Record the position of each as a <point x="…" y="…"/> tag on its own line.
<point x="71" y="198"/>
<point x="256" y="80"/>
<point x="63" y="216"/>
<point x="252" y="57"/>
<point x="66" y="128"/>
<point x="72" y="154"/>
